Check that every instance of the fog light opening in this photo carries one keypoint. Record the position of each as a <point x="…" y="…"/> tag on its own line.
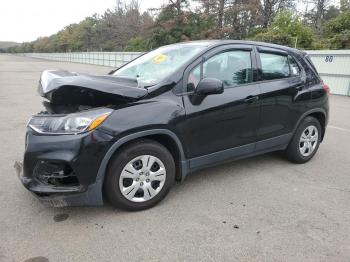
<point x="55" y="174"/>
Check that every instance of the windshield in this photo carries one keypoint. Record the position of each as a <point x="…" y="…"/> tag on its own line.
<point x="154" y="66"/>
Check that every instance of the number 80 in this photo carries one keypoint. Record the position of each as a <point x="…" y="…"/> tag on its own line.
<point x="329" y="59"/>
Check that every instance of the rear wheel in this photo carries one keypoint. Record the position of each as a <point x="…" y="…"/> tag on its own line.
<point x="306" y="141"/>
<point x="140" y="175"/>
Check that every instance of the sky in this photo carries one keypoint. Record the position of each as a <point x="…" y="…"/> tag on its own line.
<point x="26" y="20"/>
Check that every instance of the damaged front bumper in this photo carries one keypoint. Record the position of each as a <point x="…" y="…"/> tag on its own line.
<point x="61" y="170"/>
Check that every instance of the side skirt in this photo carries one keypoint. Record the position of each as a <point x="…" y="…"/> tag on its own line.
<point x="240" y="152"/>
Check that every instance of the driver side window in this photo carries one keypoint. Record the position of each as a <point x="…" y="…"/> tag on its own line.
<point x="232" y="68"/>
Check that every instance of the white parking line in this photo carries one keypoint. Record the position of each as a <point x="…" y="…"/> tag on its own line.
<point x="339" y="128"/>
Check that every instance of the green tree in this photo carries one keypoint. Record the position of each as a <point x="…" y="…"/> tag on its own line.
<point x="137" y="44"/>
<point x="83" y="35"/>
<point x="287" y="29"/>
<point x="176" y="23"/>
<point x="338" y="31"/>
<point x="344" y="5"/>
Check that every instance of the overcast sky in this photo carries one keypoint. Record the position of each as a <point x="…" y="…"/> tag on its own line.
<point x="26" y="20"/>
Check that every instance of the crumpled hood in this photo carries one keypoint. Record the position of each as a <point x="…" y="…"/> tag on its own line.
<point x="63" y="87"/>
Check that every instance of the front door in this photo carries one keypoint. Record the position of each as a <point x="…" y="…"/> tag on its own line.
<point x="222" y="126"/>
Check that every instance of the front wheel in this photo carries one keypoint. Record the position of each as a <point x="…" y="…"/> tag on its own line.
<point x="140" y="175"/>
<point x="306" y="141"/>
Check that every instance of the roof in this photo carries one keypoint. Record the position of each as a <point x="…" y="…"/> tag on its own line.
<point x="217" y="42"/>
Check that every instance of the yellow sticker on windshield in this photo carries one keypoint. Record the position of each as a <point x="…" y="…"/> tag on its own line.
<point x="159" y="58"/>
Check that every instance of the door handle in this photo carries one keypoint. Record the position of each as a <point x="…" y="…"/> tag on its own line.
<point x="299" y="87"/>
<point x="251" y="99"/>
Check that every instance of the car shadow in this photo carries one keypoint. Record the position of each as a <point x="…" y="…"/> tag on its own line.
<point x="220" y="170"/>
<point x="198" y="179"/>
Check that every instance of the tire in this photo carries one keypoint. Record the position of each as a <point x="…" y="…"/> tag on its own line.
<point x="143" y="186"/>
<point x="299" y="151"/>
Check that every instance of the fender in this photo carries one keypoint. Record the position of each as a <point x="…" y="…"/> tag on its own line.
<point x="102" y="169"/>
<point x="315" y="110"/>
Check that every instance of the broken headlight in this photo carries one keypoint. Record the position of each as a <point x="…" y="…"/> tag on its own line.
<point x="69" y="124"/>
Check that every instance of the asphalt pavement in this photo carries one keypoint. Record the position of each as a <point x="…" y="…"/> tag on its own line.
<point x="258" y="209"/>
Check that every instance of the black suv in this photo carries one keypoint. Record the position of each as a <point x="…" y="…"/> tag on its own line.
<point x="127" y="136"/>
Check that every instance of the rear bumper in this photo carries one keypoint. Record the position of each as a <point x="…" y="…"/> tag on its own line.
<point x="44" y="173"/>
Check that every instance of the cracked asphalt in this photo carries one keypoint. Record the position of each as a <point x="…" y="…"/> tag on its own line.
<point x="258" y="209"/>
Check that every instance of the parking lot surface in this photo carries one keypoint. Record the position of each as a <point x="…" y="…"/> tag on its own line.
<point x="258" y="209"/>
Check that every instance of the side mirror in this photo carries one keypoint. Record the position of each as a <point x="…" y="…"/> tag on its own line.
<point x="209" y="86"/>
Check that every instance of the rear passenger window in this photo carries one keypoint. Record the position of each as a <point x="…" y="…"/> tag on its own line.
<point x="274" y="66"/>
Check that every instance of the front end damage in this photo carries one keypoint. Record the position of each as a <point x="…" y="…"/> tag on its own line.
<point x="68" y="92"/>
<point x="61" y="170"/>
<point x="64" y="144"/>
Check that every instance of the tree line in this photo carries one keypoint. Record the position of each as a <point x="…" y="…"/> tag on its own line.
<point x="309" y="24"/>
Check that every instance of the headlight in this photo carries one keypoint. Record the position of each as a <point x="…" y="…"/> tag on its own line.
<point x="69" y="124"/>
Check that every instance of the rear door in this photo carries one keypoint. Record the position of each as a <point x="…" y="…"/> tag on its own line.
<point x="222" y="121"/>
<point x="281" y="85"/>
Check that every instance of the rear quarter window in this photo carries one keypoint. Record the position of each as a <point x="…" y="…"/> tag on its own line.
<point x="312" y="77"/>
<point x="308" y="59"/>
<point x="294" y="67"/>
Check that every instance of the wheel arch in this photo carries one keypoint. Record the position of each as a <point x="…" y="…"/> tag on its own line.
<point x="318" y="113"/>
<point x="164" y="136"/>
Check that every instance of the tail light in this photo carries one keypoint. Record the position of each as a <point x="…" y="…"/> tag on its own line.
<point x="326" y="88"/>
